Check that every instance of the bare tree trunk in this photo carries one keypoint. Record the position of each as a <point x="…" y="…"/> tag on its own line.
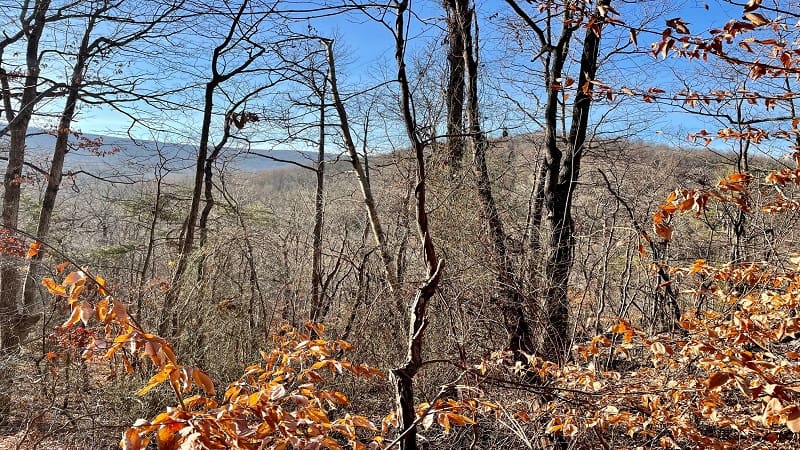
<point x="536" y="208"/>
<point x="563" y="171"/>
<point x="168" y="325"/>
<point x="319" y="214"/>
<point x="57" y="163"/>
<point x="363" y="181"/>
<point x="512" y="307"/>
<point x="403" y="377"/>
<point x="562" y="162"/>
<point x="12" y="322"/>
<point x="151" y="234"/>
<point x="457" y="20"/>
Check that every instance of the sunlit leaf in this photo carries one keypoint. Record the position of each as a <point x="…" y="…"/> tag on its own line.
<point x="101" y="285"/>
<point x="33" y="250"/>
<point x="156" y="379"/>
<point x="793" y="419"/>
<point x="752" y="5"/>
<point x="53" y="287"/>
<point x="133" y="439"/>
<point x="444" y="421"/>
<point x="756" y="18"/>
<point x="60" y="268"/>
<point x="73" y="278"/>
<point x="86" y="312"/>
<point x="74" y="317"/>
<point x="204" y="381"/>
<point x="663" y="231"/>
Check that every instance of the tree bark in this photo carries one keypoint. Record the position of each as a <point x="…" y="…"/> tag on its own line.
<point x="57" y="163"/>
<point x="319" y="214"/>
<point x="563" y="170"/>
<point x="403" y="377"/>
<point x="168" y="325"/>
<point x="562" y="161"/>
<point x="457" y="20"/>
<point x="512" y="306"/>
<point x="11" y="319"/>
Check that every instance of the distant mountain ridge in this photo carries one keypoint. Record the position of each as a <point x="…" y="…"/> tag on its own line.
<point x="128" y="158"/>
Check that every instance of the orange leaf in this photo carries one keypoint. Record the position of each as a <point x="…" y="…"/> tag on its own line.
<point x="686" y="205"/>
<point x="663" y="231"/>
<point x="60" y="268"/>
<point x="33" y="250"/>
<point x="53" y="287"/>
<point x="793" y="419"/>
<point x="74" y="317"/>
<point x="156" y="379"/>
<point x="128" y="366"/>
<point x="120" y="313"/>
<point x="102" y="310"/>
<point x="444" y="421"/>
<point x="73" y="278"/>
<point x="185" y="376"/>
<point x="101" y="285"/>
<point x="621" y="327"/>
<point x="86" y="312"/>
<point x="203" y="381"/>
<point x="460" y="420"/>
<point x="151" y="349"/>
<point x="134" y="439"/>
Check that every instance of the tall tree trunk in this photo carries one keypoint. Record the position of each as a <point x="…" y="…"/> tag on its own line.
<point x="151" y="237"/>
<point x="457" y="20"/>
<point x="512" y="307"/>
<point x="381" y="240"/>
<point x="57" y="163"/>
<point x="563" y="170"/>
<point x="12" y="322"/>
<point x="168" y="324"/>
<point x="403" y="377"/>
<point x="319" y="214"/>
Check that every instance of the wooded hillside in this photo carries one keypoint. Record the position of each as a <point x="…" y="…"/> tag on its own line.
<point x="543" y="225"/>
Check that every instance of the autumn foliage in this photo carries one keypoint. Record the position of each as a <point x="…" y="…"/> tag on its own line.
<point x="279" y="403"/>
<point x="725" y="377"/>
<point x="723" y="373"/>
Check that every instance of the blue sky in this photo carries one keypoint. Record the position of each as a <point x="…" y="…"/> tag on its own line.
<point x="366" y="58"/>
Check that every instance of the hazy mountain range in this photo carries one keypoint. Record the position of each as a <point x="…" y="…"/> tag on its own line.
<point x="115" y="157"/>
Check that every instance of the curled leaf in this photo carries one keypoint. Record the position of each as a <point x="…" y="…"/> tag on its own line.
<point x="53" y="287"/>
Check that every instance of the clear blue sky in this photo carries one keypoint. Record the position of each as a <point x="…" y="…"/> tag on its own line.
<point x="367" y="57"/>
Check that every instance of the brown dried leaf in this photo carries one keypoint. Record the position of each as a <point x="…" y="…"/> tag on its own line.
<point x="718" y="379"/>
<point x="756" y="19"/>
<point x="203" y="381"/>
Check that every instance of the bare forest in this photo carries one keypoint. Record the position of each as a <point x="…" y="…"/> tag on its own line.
<point x="260" y="224"/>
